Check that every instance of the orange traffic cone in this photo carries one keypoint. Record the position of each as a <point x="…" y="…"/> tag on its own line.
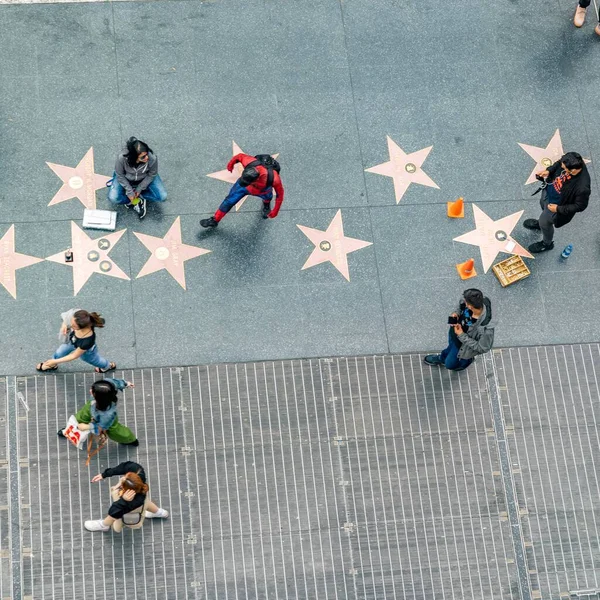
<point x="456" y="210"/>
<point x="466" y="270"/>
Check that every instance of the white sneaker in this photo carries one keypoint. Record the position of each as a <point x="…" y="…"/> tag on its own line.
<point x="161" y="513"/>
<point x="96" y="525"/>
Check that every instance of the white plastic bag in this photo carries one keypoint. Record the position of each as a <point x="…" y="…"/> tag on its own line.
<point x="76" y="436"/>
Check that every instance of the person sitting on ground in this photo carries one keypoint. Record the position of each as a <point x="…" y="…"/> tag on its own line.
<point x="471" y="332"/>
<point x="131" y="502"/>
<point x="100" y="413"/>
<point x="136" y="178"/>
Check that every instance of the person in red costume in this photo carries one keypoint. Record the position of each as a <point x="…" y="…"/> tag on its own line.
<point x="259" y="178"/>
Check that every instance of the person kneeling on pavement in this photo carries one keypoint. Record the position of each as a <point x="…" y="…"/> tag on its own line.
<point x="131" y="502"/>
<point x="471" y="332"/>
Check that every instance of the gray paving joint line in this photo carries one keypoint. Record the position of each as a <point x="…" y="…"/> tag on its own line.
<point x="508" y="481"/>
<point x="15" y="505"/>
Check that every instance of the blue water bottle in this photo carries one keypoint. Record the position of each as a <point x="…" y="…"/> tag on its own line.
<point x="567" y="251"/>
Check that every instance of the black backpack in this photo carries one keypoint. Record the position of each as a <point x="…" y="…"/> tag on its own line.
<point x="267" y="161"/>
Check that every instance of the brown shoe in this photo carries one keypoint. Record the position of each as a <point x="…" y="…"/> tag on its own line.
<point x="579" y="17"/>
<point x="597" y="29"/>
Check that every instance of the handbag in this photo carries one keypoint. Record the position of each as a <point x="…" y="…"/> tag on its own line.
<point x="76" y="436"/>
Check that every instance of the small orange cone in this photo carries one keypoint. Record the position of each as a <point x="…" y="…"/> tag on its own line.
<point x="456" y="210"/>
<point x="466" y="270"/>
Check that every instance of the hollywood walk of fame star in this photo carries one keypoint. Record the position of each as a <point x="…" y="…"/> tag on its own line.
<point x="90" y="256"/>
<point x="232" y="177"/>
<point x="404" y="168"/>
<point x="11" y="261"/>
<point x="493" y="237"/>
<point x="79" y="182"/>
<point x="169" y="253"/>
<point x="332" y="245"/>
<point x="545" y="157"/>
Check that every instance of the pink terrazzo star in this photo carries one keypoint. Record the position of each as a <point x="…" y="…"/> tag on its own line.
<point x="332" y="245"/>
<point x="79" y="182"/>
<point x="404" y="168"/>
<point x="232" y="177"/>
<point x="493" y="237"/>
<point x="545" y="157"/>
<point x="11" y="261"/>
<point x="168" y="253"/>
<point x="90" y="256"/>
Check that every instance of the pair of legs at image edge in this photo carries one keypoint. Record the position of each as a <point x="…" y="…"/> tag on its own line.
<point x="449" y="357"/>
<point x="581" y="12"/>
<point x="155" y="192"/>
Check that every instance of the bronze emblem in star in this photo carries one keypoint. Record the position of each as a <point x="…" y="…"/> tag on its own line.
<point x="232" y="177"/>
<point x="493" y="237"/>
<point x="11" y="261"/>
<point x="79" y="182"/>
<point x="90" y="256"/>
<point x="404" y="168"/>
<point x="168" y="253"/>
<point x="332" y="245"/>
<point x="545" y="157"/>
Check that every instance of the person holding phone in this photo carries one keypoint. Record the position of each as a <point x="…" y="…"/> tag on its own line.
<point x="566" y="191"/>
<point x="470" y="332"/>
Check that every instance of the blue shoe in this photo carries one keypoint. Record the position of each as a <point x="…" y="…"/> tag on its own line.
<point x="433" y="360"/>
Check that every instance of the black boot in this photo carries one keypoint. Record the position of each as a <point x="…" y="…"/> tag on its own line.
<point x="266" y="209"/>
<point x="540" y="247"/>
<point x="60" y="433"/>
<point x="532" y="224"/>
<point x="212" y="222"/>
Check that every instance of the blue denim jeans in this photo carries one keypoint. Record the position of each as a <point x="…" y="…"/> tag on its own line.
<point x="237" y="192"/>
<point x="92" y="356"/>
<point x="155" y="192"/>
<point x="450" y="355"/>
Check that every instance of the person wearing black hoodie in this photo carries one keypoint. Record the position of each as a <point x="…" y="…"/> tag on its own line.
<point x="471" y="332"/>
<point x="566" y="191"/>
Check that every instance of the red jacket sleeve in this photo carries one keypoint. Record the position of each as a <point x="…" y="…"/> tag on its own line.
<point x="278" y="187"/>
<point x="245" y="159"/>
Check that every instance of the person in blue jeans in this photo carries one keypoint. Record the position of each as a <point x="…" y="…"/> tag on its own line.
<point x="471" y="332"/>
<point x="81" y="343"/>
<point x="136" y="179"/>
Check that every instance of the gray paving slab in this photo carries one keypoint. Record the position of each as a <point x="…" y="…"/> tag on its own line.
<point x="354" y="477"/>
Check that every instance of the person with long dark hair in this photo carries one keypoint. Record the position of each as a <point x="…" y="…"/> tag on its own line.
<point x="136" y="178"/>
<point x="131" y="502"/>
<point x="80" y="343"/>
<point x="99" y="413"/>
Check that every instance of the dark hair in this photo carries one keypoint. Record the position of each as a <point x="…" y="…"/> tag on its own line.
<point x="134" y="148"/>
<point x="134" y="482"/>
<point x="474" y="297"/>
<point x="104" y="393"/>
<point x="572" y="160"/>
<point x="84" y="319"/>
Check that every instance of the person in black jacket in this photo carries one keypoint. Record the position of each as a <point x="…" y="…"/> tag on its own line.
<point x="131" y="504"/>
<point x="567" y="191"/>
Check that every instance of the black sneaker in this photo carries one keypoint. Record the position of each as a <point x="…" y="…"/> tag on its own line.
<point x="140" y="208"/>
<point x="433" y="360"/>
<point x="540" y="247"/>
<point x="533" y="224"/>
<point x="212" y="222"/>
<point x="134" y="443"/>
<point x="60" y="433"/>
<point x="266" y="209"/>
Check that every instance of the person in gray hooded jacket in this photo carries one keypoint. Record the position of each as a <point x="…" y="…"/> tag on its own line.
<point x="471" y="332"/>
<point x="136" y="178"/>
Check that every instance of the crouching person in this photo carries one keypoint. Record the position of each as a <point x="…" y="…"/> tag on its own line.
<point x="131" y="503"/>
<point x="471" y="332"/>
